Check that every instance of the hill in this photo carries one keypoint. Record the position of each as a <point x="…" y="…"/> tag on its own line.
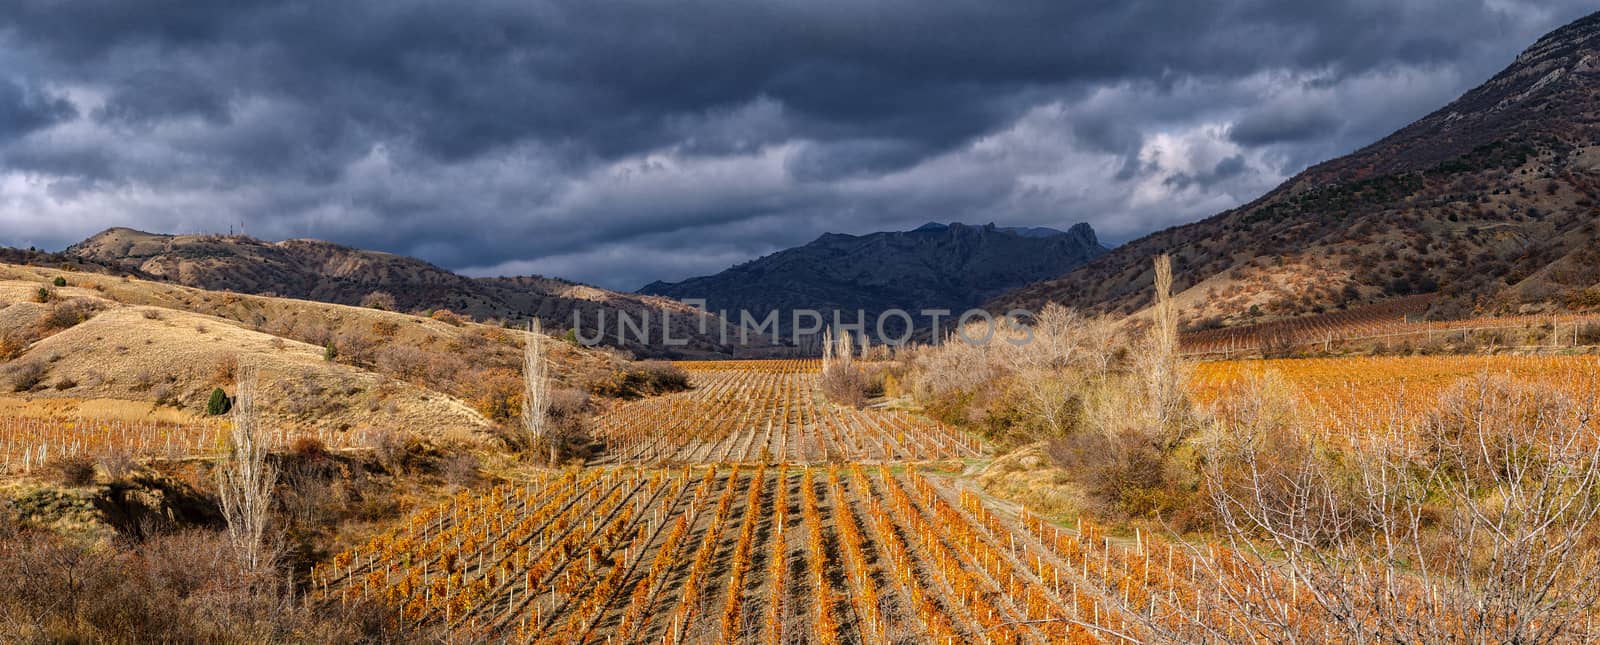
<point x="935" y="266"/>
<point x="138" y="350"/>
<point x="327" y="272"/>
<point x="1490" y="202"/>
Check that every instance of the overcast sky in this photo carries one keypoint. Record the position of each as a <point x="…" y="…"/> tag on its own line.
<point x="622" y="142"/>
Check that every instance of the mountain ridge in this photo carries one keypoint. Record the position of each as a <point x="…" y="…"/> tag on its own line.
<point x="1488" y="201"/>
<point x="318" y="270"/>
<point x="950" y="266"/>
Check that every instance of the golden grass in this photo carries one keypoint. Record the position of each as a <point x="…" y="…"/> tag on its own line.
<point x="143" y="362"/>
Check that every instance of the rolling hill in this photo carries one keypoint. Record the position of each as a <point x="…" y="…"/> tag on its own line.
<point x="327" y="272"/>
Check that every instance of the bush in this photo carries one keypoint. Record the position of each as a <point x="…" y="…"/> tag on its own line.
<point x="661" y="377"/>
<point x="307" y="448"/>
<point x="225" y="368"/>
<point x="633" y="380"/>
<point x="1589" y="334"/>
<point x="404" y="362"/>
<point x="60" y="281"/>
<point x="845" y="386"/>
<point x="448" y="317"/>
<point x="116" y="462"/>
<point x="171" y="588"/>
<point x="26" y="375"/>
<point x="381" y="300"/>
<point x="219" y="403"/>
<point x="65" y="314"/>
<point x="44" y="294"/>
<point x="72" y="470"/>
<point x="495" y="393"/>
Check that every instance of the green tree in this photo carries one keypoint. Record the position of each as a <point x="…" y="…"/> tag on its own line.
<point x="219" y="404"/>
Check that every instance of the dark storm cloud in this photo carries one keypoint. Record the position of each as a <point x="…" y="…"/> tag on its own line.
<point x="607" y="141"/>
<point x="25" y="109"/>
<point x="1269" y="127"/>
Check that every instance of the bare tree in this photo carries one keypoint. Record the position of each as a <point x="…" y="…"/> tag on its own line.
<point x="1163" y="371"/>
<point x="245" y="481"/>
<point x="536" y="393"/>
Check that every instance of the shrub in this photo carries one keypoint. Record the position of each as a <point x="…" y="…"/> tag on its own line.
<point x="72" y="470"/>
<point x="26" y="375"/>
<point x="224" y="368"/>
<point x="495" y="393"/>
<point x="356" y="347"/>
<point x="1589" y="334"/>
<point x="404" y="362"/>
<point x="60" y="281"/>
<point x="182" y="587"/>
<point x="449" y="317"/>
<point x="845" y="386"/>
<point x="65" y="314"/>
<point x="307" y="447"/>
<point x="329" y="352"/>
<point x="662" y="377"/>
<point x="647" y="378"/>
<point x="461" y="469"/>
<point x="219" y="403"/>
<point x="44" y="294"/>
<point x="381" y="300"/>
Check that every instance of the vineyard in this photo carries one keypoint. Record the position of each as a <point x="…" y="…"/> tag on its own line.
<point x="767" y="411"/>
<point x="714" y="523"/>
<point x="1350" y="394"/>
<point x="1394" y="321"/>
<point x="27" y="443"/>
<point x="735" y="554"/>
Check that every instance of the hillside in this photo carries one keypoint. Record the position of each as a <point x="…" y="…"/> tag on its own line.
<point x="1490" y="202"/>
<point x="132" y="349"/>
<point x="936" y="266"/>
<point x="327" y="272"/>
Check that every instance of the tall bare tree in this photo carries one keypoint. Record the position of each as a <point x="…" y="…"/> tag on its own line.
<point x="536" y="394"/>
<point x="245" y="481"/>
<point x="1163" y="370"/>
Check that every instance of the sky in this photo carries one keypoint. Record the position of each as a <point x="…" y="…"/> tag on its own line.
<point x="621" y="142"/>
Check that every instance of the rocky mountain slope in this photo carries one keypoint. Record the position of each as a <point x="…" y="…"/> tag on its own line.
<point x="935" y="266"/>
<point x="1491" y="202"/>
<point x="327" y="272"/>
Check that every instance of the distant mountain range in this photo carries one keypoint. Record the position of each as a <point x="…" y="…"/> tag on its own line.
<point x="1491" y="202"/>
<point x="935" y="266"/>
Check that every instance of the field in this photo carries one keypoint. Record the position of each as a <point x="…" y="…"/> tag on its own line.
<point x="767" y="411"/>
<point x="1395" y="321"/>
<point x="766" y="555"/>
<point x="717" y="550"/>
<point x="1350" y="391"/>
<point x="27" y="443"/>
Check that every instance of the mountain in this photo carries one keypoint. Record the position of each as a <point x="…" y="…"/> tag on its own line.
<point x="327" y="272"/>
<point x="1490" y="202"/>
<point x="935" y="266"/>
